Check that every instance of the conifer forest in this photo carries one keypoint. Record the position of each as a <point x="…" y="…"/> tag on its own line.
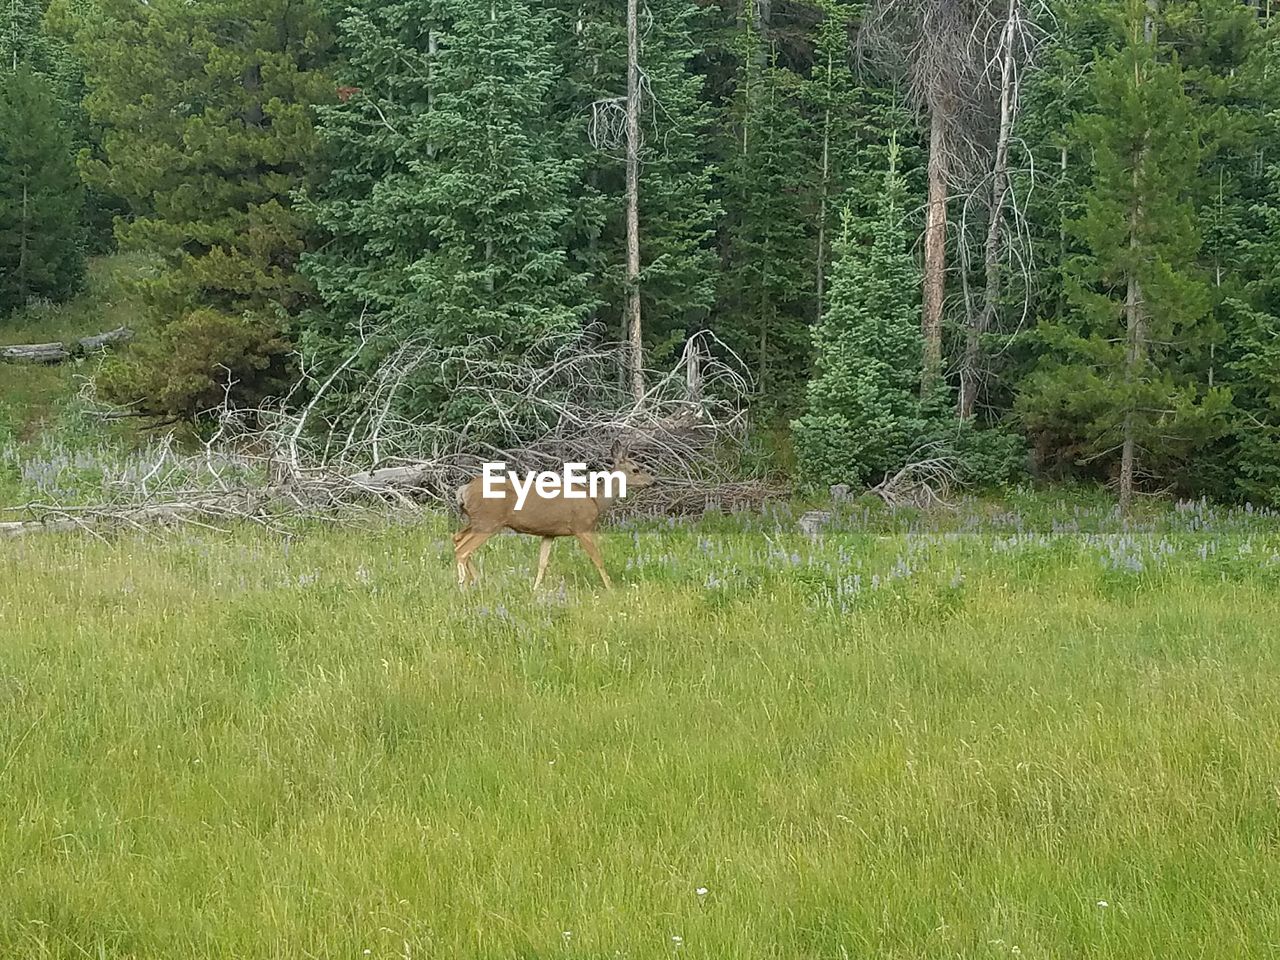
<point x="936" y="341"/>
<point x="1043" y="236"/>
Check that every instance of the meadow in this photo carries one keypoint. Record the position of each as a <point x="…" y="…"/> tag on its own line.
<point x="1023" y="729"/>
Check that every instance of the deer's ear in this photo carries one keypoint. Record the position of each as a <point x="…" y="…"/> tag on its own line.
<point x="617" y="452"/>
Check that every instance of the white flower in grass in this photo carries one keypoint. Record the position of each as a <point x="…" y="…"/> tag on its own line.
<point x="677" y="940"/>
<point x="567" y="934"/>
<point x="1102" y="904"/>
<point x="701" y="891"/>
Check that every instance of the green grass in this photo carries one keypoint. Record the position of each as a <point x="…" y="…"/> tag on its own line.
<point x="242" y="746"/>
<point x="31" y="395"/>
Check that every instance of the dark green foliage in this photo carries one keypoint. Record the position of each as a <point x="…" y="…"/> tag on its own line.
<point x="1098" y="377"/>
<point x="863" y="414"/>
<point x="679" y="203"/>
<point x="41" y="237"/>
<point x="449" y="202"/>
<point x="772" y="180"/>
<point x="1250" y="302"/>
<point x="430" y="169"/>
<point x="208" y="131"/>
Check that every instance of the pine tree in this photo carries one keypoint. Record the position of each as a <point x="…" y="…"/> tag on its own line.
<point x="773" y="184"/>
<point x="1250" y="307"/>
<point x="449" y="201"/>
<point x="863" y="414"/>
<point x="1137" y="301"/>
<point x="41" y="238"/>
<point x="208" y="132"/>
<point x="679" y="207"/>
<point x="24" y="41"/>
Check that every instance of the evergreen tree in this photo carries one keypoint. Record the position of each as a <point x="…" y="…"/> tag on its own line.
<point x="1112" y="370"/>
<point x="208" y="132"/>
<point x="679" y="206"/>
<point x="1251" y="304"/>
<point x="24" y="41"/>
<point x="41" y="238"/>
<point x="449" y="202"/>
<point x="863" y="414"/>
<point x="773" y="181"/>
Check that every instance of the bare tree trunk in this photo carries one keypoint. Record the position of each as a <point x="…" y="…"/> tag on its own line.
<point x="1135" y="315"/>
<point x="23" y="258"/>
<point x="635" y="339"/>
<point x="979" y="325"/>
<point x="251" y="80"/>
<point x="1135" y="352"/>
<point x="821" y="286"/>
<point x="935" y="251"/>
<point x="433" y="47"/>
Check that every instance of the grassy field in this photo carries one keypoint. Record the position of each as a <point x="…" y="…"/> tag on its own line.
<point x="1020" y="733"/>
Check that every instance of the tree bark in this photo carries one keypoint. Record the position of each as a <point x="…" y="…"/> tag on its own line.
<point x="1134" y="309"/>
<point x="821" y="280"/>
<point x="24" y="285"/>
<point x="635" y="338"/>
<point x="935" y="251"/>
<point x="35" y="353"/>
<point x="59" y="352"/>
<point x="979" y="325"/>
<point x="1135" y="352"/>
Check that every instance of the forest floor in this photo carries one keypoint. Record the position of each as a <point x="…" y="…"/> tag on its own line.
<point x="1017" y="730"/>
<point x="30" y="395"/>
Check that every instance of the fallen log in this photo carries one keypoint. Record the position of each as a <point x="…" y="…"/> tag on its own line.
<point x="35" y="353"/>
<point x="51" y="353"/>
<point x="97" y="342"/>
<point x="71" y="519"/>
<point x="309" y="495"/>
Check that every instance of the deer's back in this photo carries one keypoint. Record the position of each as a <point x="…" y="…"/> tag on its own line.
<point x="538" y="516"/>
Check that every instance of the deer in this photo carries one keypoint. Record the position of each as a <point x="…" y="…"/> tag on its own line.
<point x="548" y="517"/>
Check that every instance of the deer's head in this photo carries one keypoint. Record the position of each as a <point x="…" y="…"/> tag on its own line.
<point x="637" y="476"/>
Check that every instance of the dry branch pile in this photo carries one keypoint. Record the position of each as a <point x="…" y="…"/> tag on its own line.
<point x="344" y="442"/>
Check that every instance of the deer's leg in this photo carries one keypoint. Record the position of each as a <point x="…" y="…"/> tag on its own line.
<point x="464" y="546"/>
<point x="457" y="542"/>
<point x="588" y="541"/>
<point x="544" y="557"/>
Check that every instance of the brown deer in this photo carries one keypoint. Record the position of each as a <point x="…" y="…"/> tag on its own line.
<point x="542" y="516"/>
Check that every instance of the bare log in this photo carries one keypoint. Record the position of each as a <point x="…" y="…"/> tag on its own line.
<point x="35" y="353"/>
<point x="59" y="352"/>
<point x="97" y="342"/>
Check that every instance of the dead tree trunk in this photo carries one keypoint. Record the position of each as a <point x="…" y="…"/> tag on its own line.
<point x="1135" y="315"/>
<point x="23" y="269"/>
<point x="1135" y="355"/>
<point x="978" y="325"/>
<point x="60" y="352"/>
<point x="935" y="250"/>
<point x="634" y="332"/>
<point x="821" y="279"/>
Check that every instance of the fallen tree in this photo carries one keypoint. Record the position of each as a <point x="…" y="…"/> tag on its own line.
<point x="51" y="353"/>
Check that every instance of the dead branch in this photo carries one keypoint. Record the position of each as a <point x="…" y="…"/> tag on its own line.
<point x="357" y="445"/>
<point x="926" y="480"/>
